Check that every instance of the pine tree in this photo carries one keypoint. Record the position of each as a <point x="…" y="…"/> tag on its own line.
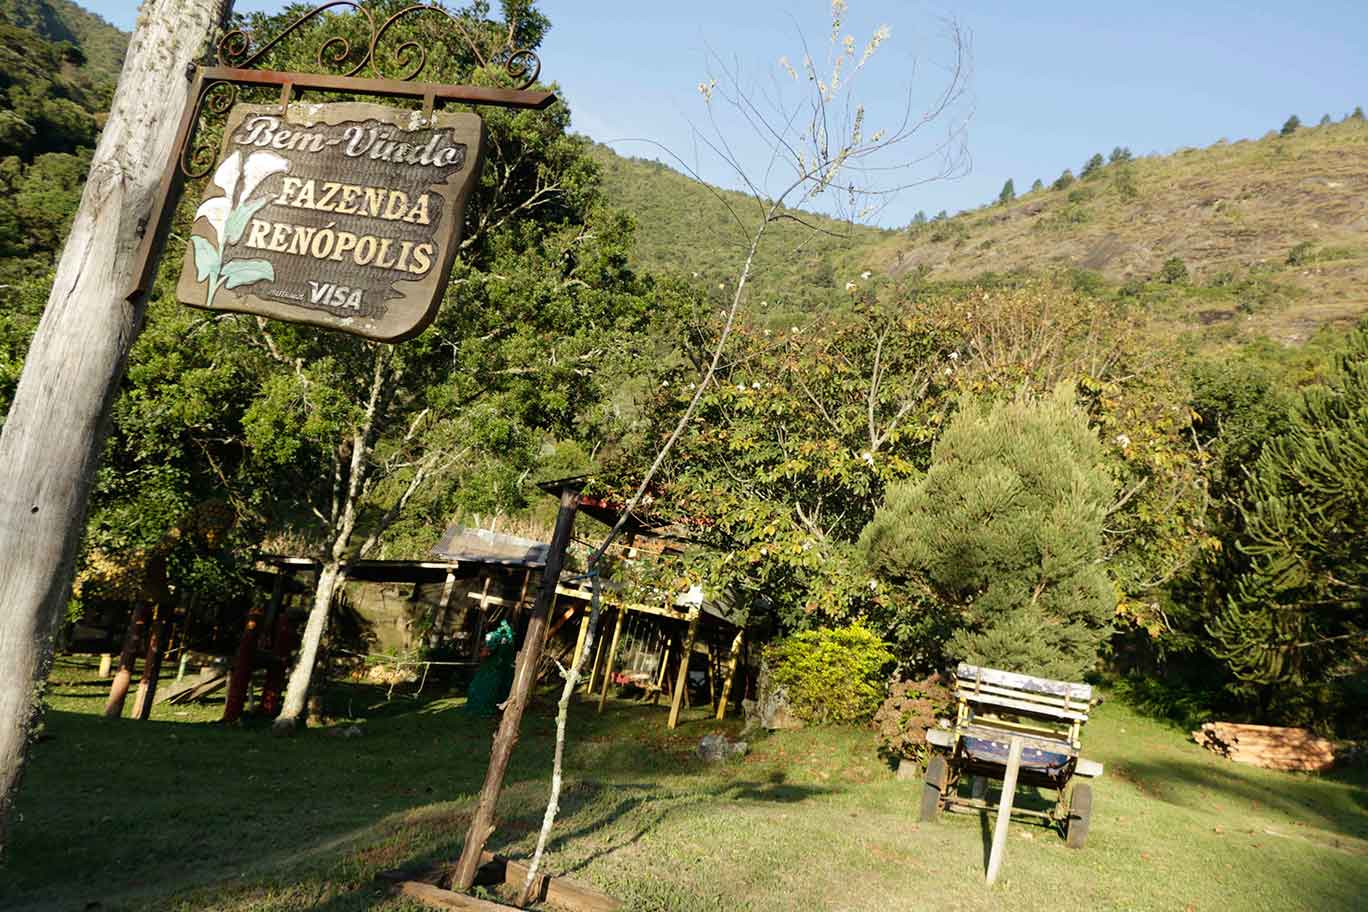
<point x="1291" y="125"/>
<point x="1120" y="154"/>
<point x="1092" y="165"/>
<point x="1357" y="114"/>
<point x="1063" y="181"/>
<point x="1299" y="614"/>
<point x="1324" y="121"/>
<point x="1037" y="185"/>
<point x="1008" y="193"/>
<point x="1003" y="537"/>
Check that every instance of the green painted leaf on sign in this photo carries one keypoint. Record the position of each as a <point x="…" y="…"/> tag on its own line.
<point x="207" y="258"/>
<point x="245" y="272"/>
<point x="240" y="218"/>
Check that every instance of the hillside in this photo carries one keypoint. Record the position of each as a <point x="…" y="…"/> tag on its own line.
<point x="102" y="45"/>
<point x="685" y="228"/>
<point x="1271" y="233"/>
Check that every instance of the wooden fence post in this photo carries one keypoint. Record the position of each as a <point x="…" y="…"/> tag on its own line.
<point x="482" y="823"/>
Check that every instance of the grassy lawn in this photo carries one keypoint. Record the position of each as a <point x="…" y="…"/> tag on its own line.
<point x="180" y="814"/>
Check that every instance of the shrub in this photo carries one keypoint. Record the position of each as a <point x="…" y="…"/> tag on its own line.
<point x="832" y="674"/>
<point x="1301" y="255"/>
<point x="910" y="709"/>
<point x="1092" y="166"/>
<point x="1120" y="154"/>
<point x="1124" y="181"/>
<point x="1037" y="184"/>
<point x="1291" y="125"/>
<point x="1063" y="181"/>
<point x="1174" y="271"/>
<point x="1004" y="533"/>
<point x="1008" y="193"/>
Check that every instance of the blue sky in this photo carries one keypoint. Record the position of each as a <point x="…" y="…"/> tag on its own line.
<point x="1052" y="82"/>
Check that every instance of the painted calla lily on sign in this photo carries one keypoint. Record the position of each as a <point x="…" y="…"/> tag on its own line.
<point x="228" y="216"/>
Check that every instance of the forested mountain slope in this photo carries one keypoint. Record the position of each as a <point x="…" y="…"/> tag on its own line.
<point x="101" y="44"/>
<point x="1264" y="236"/>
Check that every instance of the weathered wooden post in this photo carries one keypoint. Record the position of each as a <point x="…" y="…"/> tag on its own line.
<point x="482" y="823"/>
<point x="51" y="442"/>
<point x="241" y="677"/>
<point x="1004" y="815"/>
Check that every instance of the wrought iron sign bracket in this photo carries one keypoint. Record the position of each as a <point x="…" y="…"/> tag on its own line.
<point x="216" y="88"/>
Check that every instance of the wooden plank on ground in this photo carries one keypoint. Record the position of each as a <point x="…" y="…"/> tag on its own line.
<point x="437" y="898"/>
<point x="572" y="896"/>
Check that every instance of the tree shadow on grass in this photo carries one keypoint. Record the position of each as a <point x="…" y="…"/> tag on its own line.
<point x="1333" y="804"/>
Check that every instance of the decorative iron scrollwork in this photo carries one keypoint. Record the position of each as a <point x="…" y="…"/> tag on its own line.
<point x="197" y="158"/>
<point x="409" y="59"/>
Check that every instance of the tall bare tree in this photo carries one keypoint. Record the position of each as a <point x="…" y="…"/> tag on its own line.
<point x="51" y="442"/>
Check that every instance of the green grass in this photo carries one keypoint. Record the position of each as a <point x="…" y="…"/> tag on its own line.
<point x="180" y="814"/>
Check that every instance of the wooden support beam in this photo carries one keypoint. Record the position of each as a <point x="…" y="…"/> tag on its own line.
<point x="1004" y="814"/>
<point x="524" y="676"/>
<point x="579" y="639"/>
<point x="106" y="665"/>
<point x="612" y="657"/>
<point x="157" y="632"/>
<point x="731" y="672"/>
<point x="118" y="688"/>
<point x="682" y="681"/>
<point x="594" y="668"/>
<point x="437" y="898"/>
<point x="245" y="660"/>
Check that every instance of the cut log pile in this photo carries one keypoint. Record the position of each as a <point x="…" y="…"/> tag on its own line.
<point x="1267" y="746"/>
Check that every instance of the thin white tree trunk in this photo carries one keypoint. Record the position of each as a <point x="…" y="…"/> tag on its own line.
<point x="297" y="691"/>
<point x="51" y="442"/>
<point x="343" y="520"/>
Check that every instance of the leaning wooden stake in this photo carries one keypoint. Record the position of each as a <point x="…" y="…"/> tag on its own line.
<point x="58" y="419"/>
<point x="731" y="673"/>
<point x="612" y="656"/>
<point x="482" y="824"/>
<point x="118" y="690"/>
<point x="157" y="633"/>
<point x="1004" y="814"/>
<point x="682" y="682"/>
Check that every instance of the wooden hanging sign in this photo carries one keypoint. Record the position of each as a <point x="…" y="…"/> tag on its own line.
<point x="345" y="216"/>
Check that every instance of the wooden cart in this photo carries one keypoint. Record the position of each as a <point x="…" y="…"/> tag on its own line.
<point x="1017" y="729"/>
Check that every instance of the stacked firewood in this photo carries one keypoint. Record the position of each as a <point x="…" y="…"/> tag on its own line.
<point x="1267" y="746"/>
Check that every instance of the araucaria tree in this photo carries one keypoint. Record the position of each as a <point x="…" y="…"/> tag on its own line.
<point x="1002" y="538"/>
<point x="1299" y="614"/>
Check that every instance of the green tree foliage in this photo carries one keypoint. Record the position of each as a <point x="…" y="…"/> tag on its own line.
<point x="1357" y="113"/>
<point x="1037" y="184"/>
<point x="1119" y="155"/>
<point x="1324" y="121"/>
<point x="1003" y="536"/>
<point x="1290" y="126"/>
<point x="834" y="674"/>
<point x="1092" y="166"/>
<point x="789" y="453"/>
<point x="1063" y="181"/>
<point x="1174" y="271"/>
<point x="1300" y="613"/>
<point x="1007" y="194"/>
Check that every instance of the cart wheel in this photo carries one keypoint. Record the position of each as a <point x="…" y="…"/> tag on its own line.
<point x="1080" y="810"/>
<point x="936" y="776"/>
